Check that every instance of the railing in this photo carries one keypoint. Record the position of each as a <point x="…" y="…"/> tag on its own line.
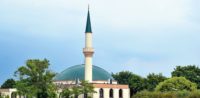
<point x="88" y="49"/>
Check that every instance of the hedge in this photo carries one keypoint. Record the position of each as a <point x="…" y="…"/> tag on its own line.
<point x="178" y="94"/>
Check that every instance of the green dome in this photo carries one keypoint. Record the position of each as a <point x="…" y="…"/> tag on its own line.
<point x="77" y="72"/>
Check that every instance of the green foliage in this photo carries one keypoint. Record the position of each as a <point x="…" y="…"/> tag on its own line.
<point x="176" y="84"/>
<point x="195" y="94"/>
<point x="122" y="77"/>
<point x="87" y="87"/>
<point x="177" y="94"/>
<point x="190" y="72"/>
<point x="143" y="94"/>
<point x="148" y="94"/>
<point x="153" y="80"/>
<point x="35" y="80"/>
<point x="76" y="90"/>
<point x="183" y="94"/>
<point x="10" y="83"/>
<point x="135" y="82"/>
<point x="66" y="93"/>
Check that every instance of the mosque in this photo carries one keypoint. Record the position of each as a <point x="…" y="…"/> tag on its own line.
<point x="104" y="84"/>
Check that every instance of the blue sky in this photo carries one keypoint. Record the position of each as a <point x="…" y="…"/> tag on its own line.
<point x="142" y="36"/>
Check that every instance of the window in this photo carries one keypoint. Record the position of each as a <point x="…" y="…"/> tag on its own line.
<point x="111" y="93"/>
<point x="13" y="95"/>
<point x="85" y="95"/>
<point x="101" y="93"/>
<point x="120" y="93"/>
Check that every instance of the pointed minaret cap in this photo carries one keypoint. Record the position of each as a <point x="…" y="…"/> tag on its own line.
<point x="88" y="24"/>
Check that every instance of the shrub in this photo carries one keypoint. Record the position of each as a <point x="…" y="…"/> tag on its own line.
<point x="195" y="94"/>
<point x="176" y="84"/>
<point x="178" y="94"/>
<point x="182" y="94"/>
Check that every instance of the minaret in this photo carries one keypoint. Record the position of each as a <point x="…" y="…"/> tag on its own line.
<point x="88" y="51"/>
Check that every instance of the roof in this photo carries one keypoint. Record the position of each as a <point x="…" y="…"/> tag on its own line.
<point x="88" y="24"/>
<point x="77" y="72"/>
<point x="111" y="86"/>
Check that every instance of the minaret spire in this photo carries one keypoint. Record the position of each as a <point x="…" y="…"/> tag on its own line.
<point x="88" y="24"/>
<point x="88" y="51"/>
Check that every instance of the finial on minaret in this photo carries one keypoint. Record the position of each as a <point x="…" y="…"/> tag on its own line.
<point x="88" y="24"/>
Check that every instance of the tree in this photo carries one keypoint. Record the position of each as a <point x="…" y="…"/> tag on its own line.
<point x="176" y="84"/>
<point x="153" y="80"/>
<point x="135" y="82"/>
<point x="76" y="91"/>
<point x="83" y="88"/>
<point x="122" y="77"/>
<point x="66" y="93"/>
<point x="1" y="95"/>
<point x="190" y="72"/>
<point x="87" y="88"/>
<point x="10" y="83"/>
<point x="35" y="79"/>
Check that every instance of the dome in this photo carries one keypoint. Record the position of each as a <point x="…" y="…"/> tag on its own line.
<point x="77" y="72"/>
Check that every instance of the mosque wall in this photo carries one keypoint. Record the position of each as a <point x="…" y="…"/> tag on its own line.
<point x="116" y="92"/>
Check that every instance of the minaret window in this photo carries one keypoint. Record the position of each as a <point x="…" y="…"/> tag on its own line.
<point x="101" y="93"/>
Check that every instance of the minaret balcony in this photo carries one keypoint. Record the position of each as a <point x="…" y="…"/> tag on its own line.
<point x="88" y="50"/>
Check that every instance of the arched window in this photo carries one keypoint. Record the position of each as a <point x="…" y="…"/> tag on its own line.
<point x="101" y="93"/>
<point x="111" y="93"/>
<point x="13" y="95"/>
<point x="76" y="96"/>
<point x="85" y="95"/>
<point x="120" y="93"/>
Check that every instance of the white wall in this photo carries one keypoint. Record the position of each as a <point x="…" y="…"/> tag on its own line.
<point x="126" y="93"/>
